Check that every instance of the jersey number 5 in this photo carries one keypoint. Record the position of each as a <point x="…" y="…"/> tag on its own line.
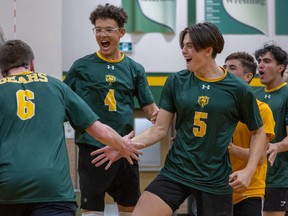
<point x="25" y="107"/>
<point x="199" y="129"/>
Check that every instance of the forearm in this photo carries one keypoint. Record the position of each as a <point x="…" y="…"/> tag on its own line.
<point x="106" y="135"/>
<point x="150" y="136"/>
<point x="257" y="149"/>
<point x="157" y="131"/>
<point x="239" y="152"/>
<point x="283" y="145"/>
<point x="243" y="153"/>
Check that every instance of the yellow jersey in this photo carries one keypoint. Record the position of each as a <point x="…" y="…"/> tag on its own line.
<point x="241" y="138"/>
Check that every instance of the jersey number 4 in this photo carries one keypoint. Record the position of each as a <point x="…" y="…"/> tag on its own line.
<point x="25" y="107"/>
<point x="110" y="100"/>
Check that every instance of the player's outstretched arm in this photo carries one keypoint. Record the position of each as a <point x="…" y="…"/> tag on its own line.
<point x="145" y="139"/>
<point x="111" y="155"/>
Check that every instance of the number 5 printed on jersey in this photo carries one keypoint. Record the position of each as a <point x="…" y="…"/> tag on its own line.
<point x="200" y="127"/>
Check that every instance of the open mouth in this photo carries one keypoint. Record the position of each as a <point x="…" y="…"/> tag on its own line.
<point x="105" y="44"/>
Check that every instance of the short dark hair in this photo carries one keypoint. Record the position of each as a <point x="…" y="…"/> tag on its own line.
<point x="15" y="53"/>
<point x="108" y="11"/>
<point x="247" y="61"/>
<point x="278" y="53"/>
<point x="204" y="35"/>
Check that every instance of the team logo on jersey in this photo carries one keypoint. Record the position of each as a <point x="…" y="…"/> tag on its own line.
<point x="110" y="67"/>
<point x="110" y="79"/>
<point x="203" y="101"/>
<point x="267" y="96"/>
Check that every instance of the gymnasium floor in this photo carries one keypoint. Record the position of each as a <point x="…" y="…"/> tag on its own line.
<point x="111" y="209"/>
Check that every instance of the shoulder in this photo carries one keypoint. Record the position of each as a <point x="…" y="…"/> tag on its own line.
<point x="235" y="80"/>
<point x="285" y="88"/>
<point x="53" y="80"/>
<point x="85" y="59"/>
<point x="52" y="84"/>
<point x="259" y="90"/>
<point x="81" y="64"/>
<point x="179" y="79"/>
<point x="132" y="63"/>
<point x="183" y="74"/>
<point x="88" y="57"/>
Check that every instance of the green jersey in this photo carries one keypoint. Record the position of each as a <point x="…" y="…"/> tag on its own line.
<point x="109" y="88"/>
<point x="207" y="113"/>
<point x="277" y="99"/>
<point x="34" y="165"/>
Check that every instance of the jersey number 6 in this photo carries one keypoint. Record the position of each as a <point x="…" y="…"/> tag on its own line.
<point x="25" y="107"/>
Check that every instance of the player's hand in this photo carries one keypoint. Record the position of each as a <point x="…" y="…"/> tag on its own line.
<point x="272" y="153"/>
<point x="240" y="179"/>
<point x="130" y="151"/>
<point x="154" y="116"/>
<point x="231" y="148"/>
<point x="105" y="154"/>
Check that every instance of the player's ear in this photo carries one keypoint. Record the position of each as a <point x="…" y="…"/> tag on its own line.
<point x="208" y="51"/>
<point x="122" y="32"/>
<point x="32" y="65"/>
<point x="281" y="67"/>
<point x="248" y="77"/>
<point x="4" y="74"/>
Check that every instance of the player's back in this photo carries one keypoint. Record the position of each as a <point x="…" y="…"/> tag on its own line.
<point x="30" y="103"/>
<point x="33" y="156"/>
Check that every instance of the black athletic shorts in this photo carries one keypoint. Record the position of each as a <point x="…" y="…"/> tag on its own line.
<point x="39" y="209"/>
<point x="275" y="199"/>
<point x="174" y="194"/>
<point x="120" y="181"/>
<point x="250" y="206"/>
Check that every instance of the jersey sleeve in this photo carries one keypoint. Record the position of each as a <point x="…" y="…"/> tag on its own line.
<point x="167" y="96"/>
<point x="79" y="114"/>
<point x="70" y="77"/>
<point x="143" y="92"/>
<point x="286" y="112"/>
<point x="249" y="110"/>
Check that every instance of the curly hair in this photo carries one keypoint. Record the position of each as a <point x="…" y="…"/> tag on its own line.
<point x="108" y="11"/>
<point x="277" y="52"/>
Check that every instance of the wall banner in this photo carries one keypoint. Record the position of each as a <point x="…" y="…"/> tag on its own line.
<point x="191" y="12"/>
<point x="150" y="15"/>
<point x="238" y="16"/>
<point x="281" y="25"/>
